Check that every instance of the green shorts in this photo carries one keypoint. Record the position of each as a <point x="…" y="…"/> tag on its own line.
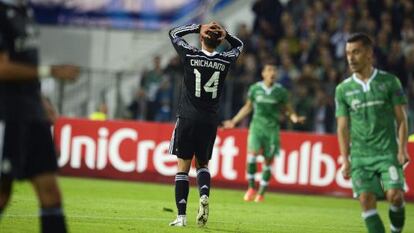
<point x="267" y="143"/>
<point x="376" y="175"/>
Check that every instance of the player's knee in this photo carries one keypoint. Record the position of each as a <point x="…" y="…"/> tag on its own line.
<point x="367" y="201"/>
<point x="395" y="197"/>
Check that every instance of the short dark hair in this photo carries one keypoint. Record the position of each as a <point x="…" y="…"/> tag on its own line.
<point x="269" y="62"/>
<point x="213" y="41"/>
<point x="361" y="37"/>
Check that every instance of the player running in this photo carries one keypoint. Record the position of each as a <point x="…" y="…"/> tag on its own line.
<point x="268" y="99"/>
<point x="372" y="134"/>
<point x="197" y="117"/>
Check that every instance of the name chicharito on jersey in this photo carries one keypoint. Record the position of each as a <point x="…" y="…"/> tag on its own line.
<point x="206" y="63"/>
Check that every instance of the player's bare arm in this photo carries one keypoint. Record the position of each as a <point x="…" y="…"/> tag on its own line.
<point x="293" y="116"/>
<point x="243" y="112"/>
<point x="15" y="71"/>
<point x="402" y="129"/>
<point x="343" y="139"/>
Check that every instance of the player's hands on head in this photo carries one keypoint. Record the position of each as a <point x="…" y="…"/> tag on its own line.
<point x="229" y="124"/>
<point x="65" y="72"/>
<point x="212" y="27"/>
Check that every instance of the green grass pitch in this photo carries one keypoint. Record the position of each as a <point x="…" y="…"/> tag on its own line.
<point x="113" y="206"/>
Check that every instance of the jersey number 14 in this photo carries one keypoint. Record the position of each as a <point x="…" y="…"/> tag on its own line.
<point x="210" y="86"/>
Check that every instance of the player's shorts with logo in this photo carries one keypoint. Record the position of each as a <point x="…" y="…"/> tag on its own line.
<point x="193" y="138"/>
<point x="265" y="141"/>
<point x="26" y="149"/>
<point x="376" y="174"/>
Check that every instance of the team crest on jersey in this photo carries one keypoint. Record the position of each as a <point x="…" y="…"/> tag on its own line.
<point x="381" y="87"/>
<point x="355" y="103"/>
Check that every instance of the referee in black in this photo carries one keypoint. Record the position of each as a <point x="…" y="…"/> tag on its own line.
<point x="195" y="132"/>
<point x="26" y="146"/>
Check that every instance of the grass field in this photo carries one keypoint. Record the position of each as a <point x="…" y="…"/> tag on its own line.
<point x="112" y="206"/>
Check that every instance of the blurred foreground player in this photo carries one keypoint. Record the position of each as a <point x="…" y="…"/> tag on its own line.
<point x="197" y="117"/>
<point x="26" y="146"/>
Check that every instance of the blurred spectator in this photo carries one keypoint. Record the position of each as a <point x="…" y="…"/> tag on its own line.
<point x="303" y="104"/>
<point x="396" y="62"/>
<point x="267" y="19"/>
<point x="150" y="83"/>
<point x="288" y="72"/>
<point x="101" y="113"/>
<point x="324" y="113"/>
<point x="136" y="109"/>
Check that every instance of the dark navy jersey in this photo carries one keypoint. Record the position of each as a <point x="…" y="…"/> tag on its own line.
<point x="204" y="75"/>
<point x="19" y="40"/>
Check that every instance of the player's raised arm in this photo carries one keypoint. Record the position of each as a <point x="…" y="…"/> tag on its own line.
<point x="176" y="36"/>
<point x="236" y="45"/>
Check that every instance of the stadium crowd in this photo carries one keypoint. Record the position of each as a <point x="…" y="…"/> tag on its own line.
<point x="306" y="39"/>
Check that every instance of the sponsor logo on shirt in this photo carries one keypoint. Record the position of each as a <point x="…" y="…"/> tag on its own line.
<point x="262" y="99"/>
<point x="356" y="104"/>
<point x="349" y="93"/>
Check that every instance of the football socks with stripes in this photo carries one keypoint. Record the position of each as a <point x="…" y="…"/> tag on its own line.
<point x="251" y="170"/>
<point x="203" y="181"/>
<point x="397" y="218"/>
<point x="181" y="192"/>
<point x="373" y="221"/>
<point x="265" y="179"/>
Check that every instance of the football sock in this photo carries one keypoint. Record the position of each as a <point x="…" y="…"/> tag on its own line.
<point x="265" y="179"/>
<point x="52" y="220"/>
<point x="203" y="181"/>
<point x="373" y="221"/>
<point x="397" y="218"/>
<point x="1" y="212"/>
<point x="251" y="170"/>
<point x="181" y="192"/>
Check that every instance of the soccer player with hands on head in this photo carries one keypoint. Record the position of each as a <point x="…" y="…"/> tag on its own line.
<point x="195" y="131"/>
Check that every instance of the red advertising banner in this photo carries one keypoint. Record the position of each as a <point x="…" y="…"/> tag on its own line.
<point x="308" y="163"/>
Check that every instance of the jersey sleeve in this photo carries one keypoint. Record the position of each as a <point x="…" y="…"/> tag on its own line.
<point x="176" y="34"/>
<point x="341" y="107"/>
<point x="397" y="94"/>
<point x="236" y="47"/>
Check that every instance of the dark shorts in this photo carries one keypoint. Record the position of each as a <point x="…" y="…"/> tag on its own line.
<point x="191" y="138"/>
<point x="26" y="149"/>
